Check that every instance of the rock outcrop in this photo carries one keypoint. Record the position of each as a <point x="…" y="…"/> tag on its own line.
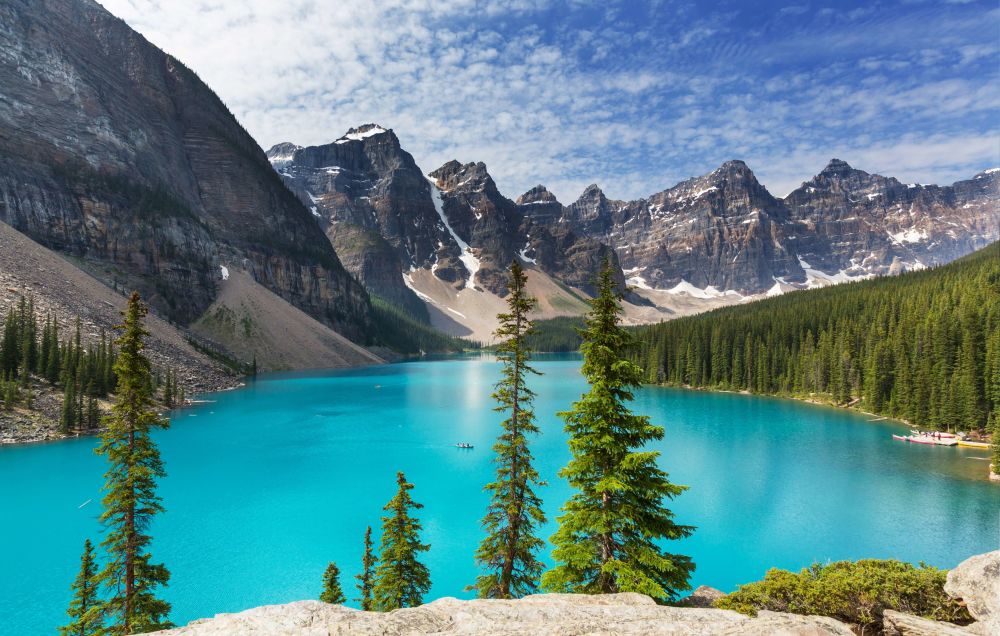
<point x="977" y="582"/>
<point x="114" y="152"/>
<point x="542" y="615"/>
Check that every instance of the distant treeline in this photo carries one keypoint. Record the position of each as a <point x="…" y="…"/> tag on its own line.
<point x="403" y="333"/>
<point x="923" y="346"/>
<point x="556" y="334"/>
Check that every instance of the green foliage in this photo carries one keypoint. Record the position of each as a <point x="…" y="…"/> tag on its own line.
<point x="229" y="362"/>
<point x="331" y="586"/>
<point x="508" y="552"/>
<point x="855" y="593"/>
<point x="85" y="608"/>
<point x="85" y="373"/>
<point x="129" y="578"/>
<point x="397" y="330"/>
<point x="366" y="580"/>
<point x="401" y="580"/>
<point x="608" y="532"/>
<point x="556" y="334"/>
<point x="923" y="346"/>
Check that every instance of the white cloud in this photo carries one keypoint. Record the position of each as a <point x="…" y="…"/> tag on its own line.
<point x="630" y="105"/>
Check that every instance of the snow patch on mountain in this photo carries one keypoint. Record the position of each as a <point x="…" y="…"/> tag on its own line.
<point x="817" y="278"/>
<point x="467" y="257"/>
<point x="361" y="133"/>
<point x="911" y="235"/>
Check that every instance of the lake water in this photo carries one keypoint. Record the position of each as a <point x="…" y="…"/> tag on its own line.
<point x="268" y="483"/>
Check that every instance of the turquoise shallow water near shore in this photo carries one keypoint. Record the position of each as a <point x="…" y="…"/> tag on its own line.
<point x="269" y="483"/>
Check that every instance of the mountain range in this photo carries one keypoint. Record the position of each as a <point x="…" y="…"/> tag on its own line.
<point x="446" y="237"/>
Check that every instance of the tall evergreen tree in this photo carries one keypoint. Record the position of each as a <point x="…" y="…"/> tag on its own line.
<point x="331" y="586"/>
<point x="606" y="541"/>
<point x="366" y="580"/>
<point x="129" y="577"/>
<point x="401" y="580"/>
<point x="85" y="608"/>
<point x="508" y="552"/>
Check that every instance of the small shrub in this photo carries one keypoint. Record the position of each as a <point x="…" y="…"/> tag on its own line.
<point x="852" y="592"/>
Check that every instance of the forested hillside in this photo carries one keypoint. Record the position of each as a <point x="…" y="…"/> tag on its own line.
<point x="924" y="346"/>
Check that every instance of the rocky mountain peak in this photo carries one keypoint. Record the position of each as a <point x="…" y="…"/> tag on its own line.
<point x="468" y="176"/>
<point x="592" y="193"/>
<point x="837" y="168"/>
<point x="282" y="154"/>
<point x="538" y="194"/>
<point x="363" y="132"/>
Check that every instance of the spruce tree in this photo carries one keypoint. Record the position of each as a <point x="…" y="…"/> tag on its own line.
<point x="331" y="586"/>
<point x="401" y="580"/>
<point x="508" y="552"/>
<point x="366" y="579"/>
<point x="168" y="392"/>
<point x="85" y="608"/>
<point x="606" y="541"/>
<point x="129" y="578"/>
<point x="68" y="419"/>
<point x="995" y="445"/>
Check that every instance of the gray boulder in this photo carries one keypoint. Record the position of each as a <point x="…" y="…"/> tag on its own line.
<point x="541" y="615"/>
<point x="977" y="582"/>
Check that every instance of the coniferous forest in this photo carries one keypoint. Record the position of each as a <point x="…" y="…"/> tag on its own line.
<point x="923" y="346"/>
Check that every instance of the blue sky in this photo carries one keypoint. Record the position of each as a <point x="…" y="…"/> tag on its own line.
<point x="634" y="96"/>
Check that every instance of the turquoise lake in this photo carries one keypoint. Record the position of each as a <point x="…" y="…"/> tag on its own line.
<point x="268" y="483"/>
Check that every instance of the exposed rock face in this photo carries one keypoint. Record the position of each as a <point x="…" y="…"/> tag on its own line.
<point x="900" y="624"/>
<point x="541" y="615"/>
<point x="848" y="220"/>
<point x="977" y="582"/>
<point x="704" y="596"/>
<point x="382" y="215"/>
<point x="113" y="151"/>
<point x="725" y="231"/>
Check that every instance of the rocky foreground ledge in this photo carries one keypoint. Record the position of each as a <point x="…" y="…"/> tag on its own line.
<point x="976" y="581"/>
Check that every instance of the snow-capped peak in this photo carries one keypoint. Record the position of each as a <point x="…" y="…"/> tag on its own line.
<point x="361" y="132"/>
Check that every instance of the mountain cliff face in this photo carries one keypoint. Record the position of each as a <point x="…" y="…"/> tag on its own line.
<point x="848" y="220"/>
<point x="725" y="234"/>
<point x="387" y="220"/>
<point x="114" y="152"/>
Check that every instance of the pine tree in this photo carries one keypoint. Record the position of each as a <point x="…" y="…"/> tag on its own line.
<point x="68" y="420"/>
<point x="995" y="445"/>
<point x="129" y="578"/>
<point x="606" y="541"/>
<point x="401" y="580"/>
<point x="366" y="578"/>
<point x="168" y="391"/>
<point x="85" y="608"/>
<point x="508" y="552"/>
<point x="331" y="586"/>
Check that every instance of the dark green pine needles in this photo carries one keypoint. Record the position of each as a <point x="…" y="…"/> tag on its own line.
<point x="331" y="586"/>
<point x="129" y="578"/>
<point x="508" y="552"/>
<point x="84" y="610"/>
<point x="366" y="580"/>
<point x="609" y="529"/>
<point x="401" y="580"/>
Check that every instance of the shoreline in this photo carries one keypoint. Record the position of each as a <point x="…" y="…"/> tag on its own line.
<point x="881" y="419"/>
<point x="36" y="427"/>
